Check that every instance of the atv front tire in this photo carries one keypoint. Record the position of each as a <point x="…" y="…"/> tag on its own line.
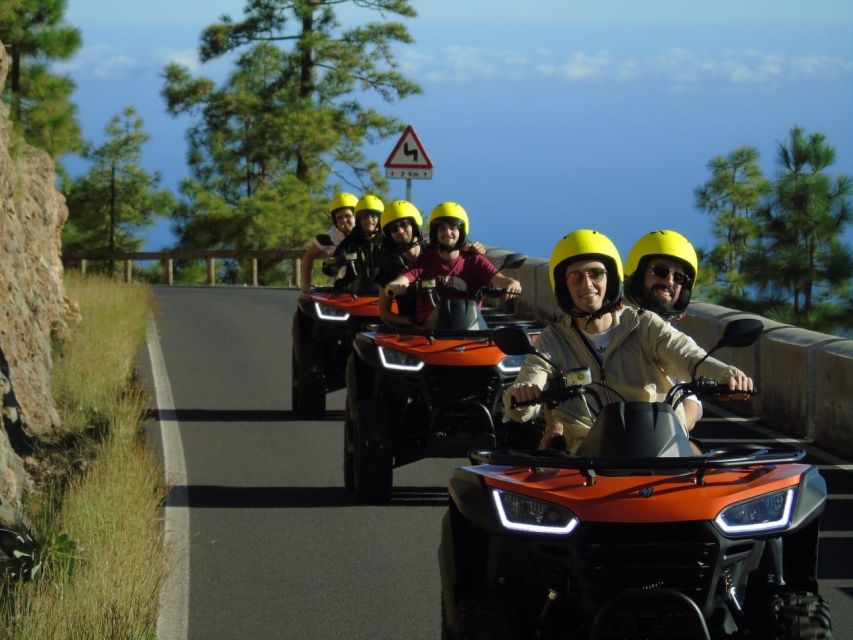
<point x="373" y="469"/>
<point x="349" y="448"/>
<point x="308" y="391"/>
<point x="485" y="617"/>
<point x="799" y="615"/>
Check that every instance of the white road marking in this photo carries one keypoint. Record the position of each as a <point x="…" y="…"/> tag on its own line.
<point x="173" y="617"/>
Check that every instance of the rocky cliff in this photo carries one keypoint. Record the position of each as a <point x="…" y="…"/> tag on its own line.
<point x="32" y="213"/>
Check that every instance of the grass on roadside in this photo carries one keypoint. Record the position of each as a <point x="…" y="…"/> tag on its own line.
<point x="108" y="586"/>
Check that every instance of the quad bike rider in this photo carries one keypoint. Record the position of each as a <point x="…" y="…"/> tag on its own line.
<point x="342" y="212"/>
<point x="415" y="392"/>
<point x="403" y="244"/>
<point x="401" y="229"/>
<point x="640" y="534"/>
<point x="327" y="318"/>
<point x="635" y="353"/>
<point x="660" y="272"/>
<point x="459" y="275"/>
<point x="360" y="253"/>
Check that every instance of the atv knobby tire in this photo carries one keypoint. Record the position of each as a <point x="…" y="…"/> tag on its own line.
<point x="349" y="453"/>
<point x="308" y="391"/>
<point x="799" y="615"/>
<point x="373" y="468"/>
<point x="485" y="617"/>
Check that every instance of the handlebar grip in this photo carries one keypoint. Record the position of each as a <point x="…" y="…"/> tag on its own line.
<point x="515" y="404"/>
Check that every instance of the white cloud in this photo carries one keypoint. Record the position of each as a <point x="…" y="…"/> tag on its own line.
<point x="679" y="67"/>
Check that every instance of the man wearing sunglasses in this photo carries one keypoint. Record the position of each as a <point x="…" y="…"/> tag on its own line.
<point x="460" y="274"/>
<point x="659" y="275"/>
<point x="402" y="244"/>
<point x="636" y="355"/>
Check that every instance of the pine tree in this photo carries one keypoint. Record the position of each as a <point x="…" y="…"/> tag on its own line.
<point x="41" y="108"/>
<point x="116" y="199"/>
<point x="732" y="196"/>
<point x="801" y="266"/>
<point x="286" y="121"/>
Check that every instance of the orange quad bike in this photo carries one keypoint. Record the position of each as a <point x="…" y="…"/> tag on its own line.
<point x="641" y="534"/>
<point x="324" y="325"/>
<point x="415" y="393"/>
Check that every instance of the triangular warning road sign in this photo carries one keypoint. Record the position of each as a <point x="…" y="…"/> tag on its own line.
<point x="409" y="153"/>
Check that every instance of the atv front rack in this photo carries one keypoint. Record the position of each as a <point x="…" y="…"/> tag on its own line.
<point x="733" y="457"/>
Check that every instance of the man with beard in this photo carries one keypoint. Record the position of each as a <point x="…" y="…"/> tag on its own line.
<point x="635" y="354"/>
<point x="458" y="274"/>
<point x="659" y="275"/>
<point x="402" y="244"/>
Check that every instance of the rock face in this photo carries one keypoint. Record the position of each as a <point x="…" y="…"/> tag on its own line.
<point x="32" y="213"/>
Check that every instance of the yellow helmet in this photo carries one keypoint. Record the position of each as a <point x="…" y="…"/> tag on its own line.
<point x="452" y="212"/>
<point x="369" y="202"/>
<point x="342" y="200"/>
<point x="586" y="244"/>
<point x="660" y="243"/>
<point x="399" y="209"/>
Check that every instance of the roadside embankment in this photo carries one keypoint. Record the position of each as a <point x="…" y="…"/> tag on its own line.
<point x="804" y="378"/>
<point x="32" y="302"/>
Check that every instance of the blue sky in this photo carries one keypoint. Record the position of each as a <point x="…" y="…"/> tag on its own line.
<point x="539" y="117"/>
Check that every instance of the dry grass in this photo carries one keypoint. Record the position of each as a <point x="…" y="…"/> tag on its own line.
<point x="93" y="370"/>
<point x="111" y="510"/>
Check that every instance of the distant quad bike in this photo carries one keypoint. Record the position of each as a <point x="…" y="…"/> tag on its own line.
<point x="413" y="394"/>
<point x="324" y="325"/>
<point x="639" y="535"/>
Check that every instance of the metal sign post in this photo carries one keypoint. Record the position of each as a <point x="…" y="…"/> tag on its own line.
<point x="409" y="160"/>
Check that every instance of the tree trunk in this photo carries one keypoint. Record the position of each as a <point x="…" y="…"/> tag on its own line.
<point x="306" y="79"/>
<point x="112" y="243"/>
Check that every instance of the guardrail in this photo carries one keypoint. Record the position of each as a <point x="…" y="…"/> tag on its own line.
<point x="805" y="378"/>
<point x="210" y="255"/>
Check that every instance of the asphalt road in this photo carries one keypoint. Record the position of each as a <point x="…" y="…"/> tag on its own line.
<point x="277" y="547"/>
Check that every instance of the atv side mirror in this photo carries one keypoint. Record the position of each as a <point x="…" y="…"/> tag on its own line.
<point x="513" y="341"/>
<point x="512" y="261"/>
<point x="324" y="240"/>
<point x="738" y="333"/>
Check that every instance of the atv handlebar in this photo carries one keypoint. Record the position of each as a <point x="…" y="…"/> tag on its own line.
<point x="558" y="392"/>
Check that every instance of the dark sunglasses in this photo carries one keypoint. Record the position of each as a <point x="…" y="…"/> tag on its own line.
<point x="596" y="275"/>
<point x="396" y="226"/>
<point x="662" y="271"/>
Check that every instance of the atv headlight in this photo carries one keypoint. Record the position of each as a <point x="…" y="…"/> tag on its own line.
<point x="511" y="364"/>
<point x="328" y="312"/>
<point x="771" y="512"/>
<point x="521" y="513"/>
<point x="399" y="360"/>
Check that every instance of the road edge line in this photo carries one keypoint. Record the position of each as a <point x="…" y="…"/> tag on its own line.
<point x="173" y="611"/>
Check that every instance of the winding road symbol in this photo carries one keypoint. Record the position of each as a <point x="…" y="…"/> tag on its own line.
<point x="409" y="155"/>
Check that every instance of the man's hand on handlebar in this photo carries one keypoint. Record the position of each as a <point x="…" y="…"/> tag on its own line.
<point x="740" y="383"/>
<point x="395" y="289"/>
<point x="513" y="289"/>
<point x="525" y="392"/>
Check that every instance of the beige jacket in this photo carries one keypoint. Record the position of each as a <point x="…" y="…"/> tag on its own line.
<point x="644" y="357"/>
